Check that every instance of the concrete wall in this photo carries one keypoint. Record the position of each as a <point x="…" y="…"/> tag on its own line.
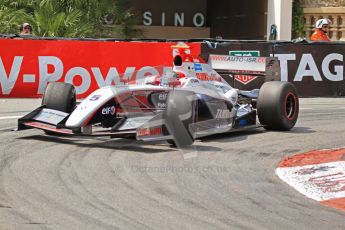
<point x="279" y="12"/>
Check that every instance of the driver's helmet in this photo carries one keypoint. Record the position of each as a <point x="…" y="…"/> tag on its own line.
<point x="323" y="21"/>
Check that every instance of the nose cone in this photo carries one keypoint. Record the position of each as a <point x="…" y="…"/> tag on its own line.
<point x="86" y="109"/>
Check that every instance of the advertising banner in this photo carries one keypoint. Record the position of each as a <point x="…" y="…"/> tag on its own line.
<point x="316" y="69"/>
<point x="26" y="66"/>
<point x="238" y="48"/>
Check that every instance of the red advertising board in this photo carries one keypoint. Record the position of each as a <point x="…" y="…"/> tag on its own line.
<point x="26" y="66"/>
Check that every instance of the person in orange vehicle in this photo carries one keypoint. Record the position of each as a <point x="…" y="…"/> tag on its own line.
<point x="320" y="33"/>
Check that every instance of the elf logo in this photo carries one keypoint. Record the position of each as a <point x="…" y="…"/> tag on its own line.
<point x="109" y="110"/>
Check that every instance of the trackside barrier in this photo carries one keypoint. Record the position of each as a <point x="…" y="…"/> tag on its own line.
<point x="316" y="69"/>
<point x="27" y="65"/>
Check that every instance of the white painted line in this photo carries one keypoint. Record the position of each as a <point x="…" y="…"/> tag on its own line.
<point x="29" y="78"/>
<point x="305" y="108"/>
<point x="10" y="117"/>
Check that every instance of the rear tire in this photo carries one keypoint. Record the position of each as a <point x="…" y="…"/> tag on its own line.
<point x="60" y="96"/>
<point x="278" y="105"/>
<point x="179" y="115"/>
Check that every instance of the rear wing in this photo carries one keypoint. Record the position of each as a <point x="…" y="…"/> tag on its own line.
<point x="267" y="67"/>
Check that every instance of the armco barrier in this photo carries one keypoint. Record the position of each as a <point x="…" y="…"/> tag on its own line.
<point x="27" y="65"/>
<point x="316" y="69"/>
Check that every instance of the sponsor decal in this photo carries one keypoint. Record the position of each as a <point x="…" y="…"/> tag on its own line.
<point x="225" y="58"/>
<point x="159" y="99"/>
<point x="245" y="79"/>
<point x="319" y="175"/>
<point x="197" y="67"/>
<point x="194" y="81"/>
<point x="223" y="114"/>
<point x="109" y="110"/>
<point x="50" y="116"/>
<point x="144" y="132"/>
<point x="95" y="97"/>
<point x="245" y="53"/>
<point x="161" y="105"/>
<point x="207" y="77"/>
<point x="163" y="96"/>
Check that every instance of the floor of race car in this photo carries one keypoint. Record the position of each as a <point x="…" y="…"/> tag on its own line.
<point x="223" y="182"/>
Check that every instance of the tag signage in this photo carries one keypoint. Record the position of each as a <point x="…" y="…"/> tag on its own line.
<point x="307" y="67"/>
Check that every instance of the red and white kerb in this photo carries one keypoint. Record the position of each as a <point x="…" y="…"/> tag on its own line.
<point x="318" y="174"/>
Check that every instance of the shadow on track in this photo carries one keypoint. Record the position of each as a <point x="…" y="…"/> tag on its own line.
<point x="117" y="144"/>
<point x="240" y="135"/>
<point x="302" y="130"/>
<point x="233" y="136"/>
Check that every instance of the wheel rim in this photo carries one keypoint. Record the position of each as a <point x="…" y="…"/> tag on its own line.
<point x="290" y="106"/>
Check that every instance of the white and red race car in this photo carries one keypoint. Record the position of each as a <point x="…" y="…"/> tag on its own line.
<point x="188" y="102"/>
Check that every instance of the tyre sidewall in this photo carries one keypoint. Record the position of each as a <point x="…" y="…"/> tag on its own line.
<point x="60" y="96"/>
<point x="272" y="105"/>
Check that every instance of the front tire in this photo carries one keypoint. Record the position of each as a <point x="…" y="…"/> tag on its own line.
<point x="278" y="105"/>
<point x="60" y="96"/>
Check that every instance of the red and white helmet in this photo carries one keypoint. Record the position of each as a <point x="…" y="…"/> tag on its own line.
<point x="323" y="21"/>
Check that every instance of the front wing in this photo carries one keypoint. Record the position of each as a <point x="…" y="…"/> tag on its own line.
<point x="149" y="128"/>
<point x="53" y="122"/>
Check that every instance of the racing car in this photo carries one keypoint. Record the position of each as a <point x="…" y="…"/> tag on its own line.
<point x="187" y="102"/>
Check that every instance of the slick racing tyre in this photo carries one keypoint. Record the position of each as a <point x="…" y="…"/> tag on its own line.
<point x="278" y="105"/>
<point x="179" y="115"/>
<point x="60" y="96"/>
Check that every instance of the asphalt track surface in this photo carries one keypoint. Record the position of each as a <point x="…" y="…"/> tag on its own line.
<point x="226" y="182"/>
